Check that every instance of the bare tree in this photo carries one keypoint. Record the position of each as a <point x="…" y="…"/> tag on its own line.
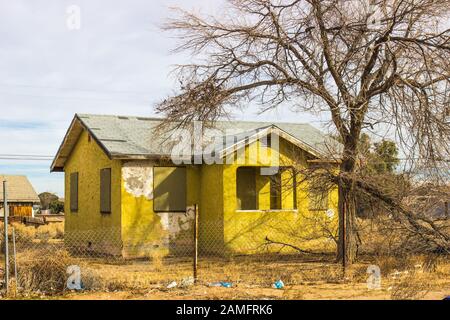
<point x="370" y="64"/>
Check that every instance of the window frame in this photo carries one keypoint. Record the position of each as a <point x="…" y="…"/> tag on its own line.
<point x="280" y="171"/>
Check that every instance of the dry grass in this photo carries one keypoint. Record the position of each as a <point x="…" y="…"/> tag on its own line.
<point x="41" y="272"/>
<point x="50" y="231"/>
<point x="410" y="287"/>
<point x="27" y="234"/>
<point x="156" y="258"/>
<point x="42" y="269"/>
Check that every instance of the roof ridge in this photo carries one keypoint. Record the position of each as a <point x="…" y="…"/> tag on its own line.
<point x="162" y="118"/>
<point x="116" y="116"/>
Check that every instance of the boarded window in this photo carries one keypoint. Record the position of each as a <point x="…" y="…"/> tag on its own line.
<point x="74" y="192"/>
<point x="169" y="189"/>
<point x="246" y="189"/>
<point x="105" y="190"/>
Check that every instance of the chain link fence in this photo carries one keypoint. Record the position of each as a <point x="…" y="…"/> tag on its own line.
<point x="40" y="260"/>
<point x="49" y="260"/>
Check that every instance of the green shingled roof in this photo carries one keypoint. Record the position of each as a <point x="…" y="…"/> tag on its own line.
<point x="127" y="136"/>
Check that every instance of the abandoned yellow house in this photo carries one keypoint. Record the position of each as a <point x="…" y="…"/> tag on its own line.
<point x="127" y="188"/>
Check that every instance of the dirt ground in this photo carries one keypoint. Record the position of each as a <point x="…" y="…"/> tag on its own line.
<point x="413" y="285"/>
<point x="306" y="292"/>
<point x="252" y="278"/>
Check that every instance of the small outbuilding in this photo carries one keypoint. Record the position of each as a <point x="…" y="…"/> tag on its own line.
<point x="21" y="196"/>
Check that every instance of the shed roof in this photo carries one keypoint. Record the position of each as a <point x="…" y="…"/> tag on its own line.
<point x="128" y="137"/>
<point x="19" y="189"/>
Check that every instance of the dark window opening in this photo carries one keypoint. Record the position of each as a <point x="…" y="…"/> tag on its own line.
<point x="246" y="188"/>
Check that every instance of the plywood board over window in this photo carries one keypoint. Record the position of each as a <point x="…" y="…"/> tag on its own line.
<point x="105" y="190"/>
<point x="169" y="189"/>
<point x="74" y="192"/>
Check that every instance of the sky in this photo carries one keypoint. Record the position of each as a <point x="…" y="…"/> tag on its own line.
<point x="116" y="60"/>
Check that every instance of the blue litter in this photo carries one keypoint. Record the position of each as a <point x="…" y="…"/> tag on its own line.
<point x="221" y="284"/>
<point x="447" y="298"/>
<point x="278" y="285"/>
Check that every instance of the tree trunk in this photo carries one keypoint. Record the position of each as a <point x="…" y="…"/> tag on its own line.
<point x="348" y="237"/>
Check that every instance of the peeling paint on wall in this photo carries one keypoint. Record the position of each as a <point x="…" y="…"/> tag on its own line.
<point x="138" y="178"/>
<point x="175" y="222"/>
<point x="163" y="230"/>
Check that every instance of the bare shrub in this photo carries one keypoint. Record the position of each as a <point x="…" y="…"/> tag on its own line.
<point x="40" y="271"/>
<point x="411" y="287"/>
<point x="392" y="264"/>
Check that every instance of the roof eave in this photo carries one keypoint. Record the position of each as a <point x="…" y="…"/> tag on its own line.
<point x="53" y="167"/>
<point x="75" y="120"/>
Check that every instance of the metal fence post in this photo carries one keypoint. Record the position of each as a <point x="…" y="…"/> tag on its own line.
<point x="15" y="258"/>
<point x="195" y="242"/>
<point x="5" y="220"/>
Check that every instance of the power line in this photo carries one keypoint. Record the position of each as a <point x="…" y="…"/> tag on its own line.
<point x="76" y="98"/>
<point x="73" y="89"/>
<point x="25" y="155"/>
<point x="26" y="159"/>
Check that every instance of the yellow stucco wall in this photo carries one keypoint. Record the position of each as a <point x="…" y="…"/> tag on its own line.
<point x="211" y="224"/>
<point x="88" y="227"/>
